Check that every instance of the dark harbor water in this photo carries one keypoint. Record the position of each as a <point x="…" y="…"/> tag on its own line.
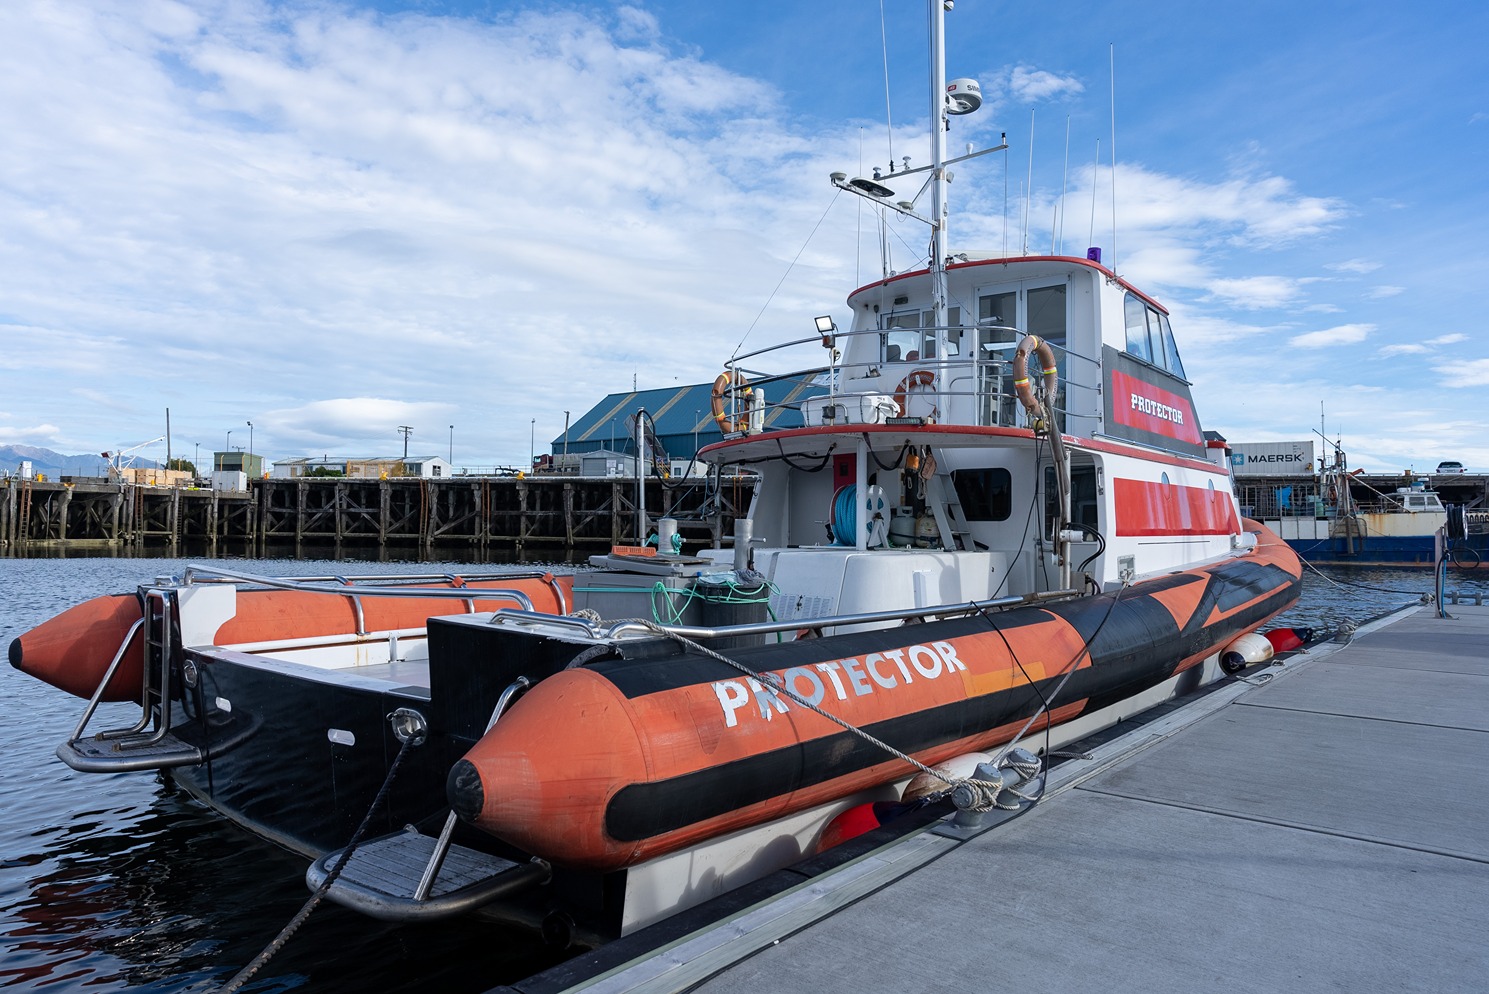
<point x="119" y="882"/>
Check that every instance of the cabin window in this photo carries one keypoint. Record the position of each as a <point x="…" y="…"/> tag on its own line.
<point x="985" y="494"/>
<point x="901" y="339"/>
<point x="910" y="336"/>
<point x="1137" y="328"/>
<point x="1083" y="497"/>
<point x="1047" y="317"/>
<point x="953" y="333"/>
<point x="1149" y="336"/>
<point x="1170" y="350"/>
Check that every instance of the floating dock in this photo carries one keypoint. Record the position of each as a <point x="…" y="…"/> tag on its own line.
<point x="1328" y="828"/>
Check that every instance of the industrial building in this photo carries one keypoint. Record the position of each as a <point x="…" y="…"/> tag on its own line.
<point x="682" y="419"/>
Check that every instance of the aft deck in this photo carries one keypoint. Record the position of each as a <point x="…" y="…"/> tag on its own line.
<point x="1324" y="830"/>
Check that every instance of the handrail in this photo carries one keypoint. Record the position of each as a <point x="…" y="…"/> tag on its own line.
<point x="629" y="627"/>
<point x="214" y="574"/>
<point x="108" y="675"/>
<point x="351" y="591"/>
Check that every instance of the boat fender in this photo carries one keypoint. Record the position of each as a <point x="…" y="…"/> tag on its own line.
<point x="956" y="768"/>
<point x="730" y="381"/>
<point x="860" y="820"/>
<point x="1287" y="639"/>
<point x="1246" y="650"/>
<point x="1021" y="381"/>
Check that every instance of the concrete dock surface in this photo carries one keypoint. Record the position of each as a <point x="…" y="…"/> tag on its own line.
<point x="1327" y="830"/>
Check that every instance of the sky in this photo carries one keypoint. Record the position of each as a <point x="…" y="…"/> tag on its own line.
<point x="469" y="218"/>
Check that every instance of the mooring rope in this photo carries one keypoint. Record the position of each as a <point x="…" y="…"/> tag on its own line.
<point x="246" y="974"/>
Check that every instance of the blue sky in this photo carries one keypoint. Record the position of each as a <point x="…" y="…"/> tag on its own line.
<point x="333" y="219"/>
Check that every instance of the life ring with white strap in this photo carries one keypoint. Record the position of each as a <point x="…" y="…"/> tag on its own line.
<point x="1021" y="382"/>
<point x="918" y="379"/>
<point x="727" y="382"/>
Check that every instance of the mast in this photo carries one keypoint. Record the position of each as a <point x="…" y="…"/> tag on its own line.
<point x="939" y="291"/>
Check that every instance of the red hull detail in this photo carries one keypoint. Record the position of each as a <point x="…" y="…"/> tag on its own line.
<point x="1145" y="508"/>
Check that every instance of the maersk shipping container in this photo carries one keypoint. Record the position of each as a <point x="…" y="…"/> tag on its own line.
<point x="1272" y="459"/>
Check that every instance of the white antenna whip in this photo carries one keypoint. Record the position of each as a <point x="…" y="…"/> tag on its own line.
<point x="1057" y="226"/>
<point x="1113" y="56"/>
<point x="1029" y="188"/>
<point x="884" y="46"/>
<point x="1095" y="168"/>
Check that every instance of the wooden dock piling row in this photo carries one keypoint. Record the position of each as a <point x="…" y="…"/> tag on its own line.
<point x="475" y="513"/>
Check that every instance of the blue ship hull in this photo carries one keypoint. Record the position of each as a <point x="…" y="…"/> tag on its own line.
<point x="1413" y="550"/>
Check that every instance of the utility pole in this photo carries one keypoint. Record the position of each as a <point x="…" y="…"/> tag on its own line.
<point x="406" y="431"/>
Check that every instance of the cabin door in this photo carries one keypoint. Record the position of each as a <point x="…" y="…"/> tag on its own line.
<point x="1003" y="310"/>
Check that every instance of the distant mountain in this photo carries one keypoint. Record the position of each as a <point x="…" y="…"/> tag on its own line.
<point x="53" y="464"/>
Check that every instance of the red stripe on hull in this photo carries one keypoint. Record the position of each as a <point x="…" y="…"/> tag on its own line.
<point x="1145" y="508"/>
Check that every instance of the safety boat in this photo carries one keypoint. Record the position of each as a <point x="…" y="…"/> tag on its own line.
<point x="999" y="529"/>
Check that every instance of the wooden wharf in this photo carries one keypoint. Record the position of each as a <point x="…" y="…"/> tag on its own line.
<point x="457" y="516"/>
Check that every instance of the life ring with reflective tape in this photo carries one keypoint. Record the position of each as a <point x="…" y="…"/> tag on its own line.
<point x="730" y="380"/>
<point x="919" y="378"/>
<point x="1021" y="382"/>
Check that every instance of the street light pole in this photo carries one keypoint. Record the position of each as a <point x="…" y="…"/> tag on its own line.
<point x="227" y="447"/>
<point x="250" y="443"/>
<point x="452" y="448"/>
<point x="532" y="444"/>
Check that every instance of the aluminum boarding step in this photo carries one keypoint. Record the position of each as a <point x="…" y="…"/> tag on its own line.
<point x="129" y="753"/>
<point x="380" y="878"/>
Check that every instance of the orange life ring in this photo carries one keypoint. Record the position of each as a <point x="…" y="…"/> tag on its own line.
<point x="918" y="378"/>
<point x="730" y="380"/>
<point x="1021" y="383"/>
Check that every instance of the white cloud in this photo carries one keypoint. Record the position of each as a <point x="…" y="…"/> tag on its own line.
<point x="1256" y="292"/>
<point x="1358" y="266"/>
<point x="1029" y="85"/>
<point x="1391" y="350"/>
<point x="28" y="435"/>
<point x="1450" y="339"/>
<point x="1382" y="292"/>
<point x="1474" y="373"/>
<point x="368" y="419"/>
<point x="1344" y="334"/>
<point x="235" y="215"/>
